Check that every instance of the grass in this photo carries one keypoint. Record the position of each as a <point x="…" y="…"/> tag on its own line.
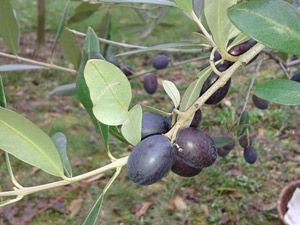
<point x="229" y="192"/>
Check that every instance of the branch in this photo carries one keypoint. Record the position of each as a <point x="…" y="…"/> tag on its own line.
<point x="251" y="85"/>
<point x="242" y="60"/>
<point x="142" y="73"/>
<point x="46" y="65"/>
<point x="29" y="190"/>
<point x="125" y="45"/>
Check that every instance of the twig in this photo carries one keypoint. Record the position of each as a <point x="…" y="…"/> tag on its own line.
<point x="46" y="65"/>
<point x="125" y="45"/>
<point x="293" y="63"/>
<point x="203" y="30"/>
<point x="177" y="64"/>
<point x="10" y="171"/>
<point x="29" y="190"/>
<point x="256" y="74"/>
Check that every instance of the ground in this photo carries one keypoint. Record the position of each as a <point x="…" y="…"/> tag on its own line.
<point x="229" y="192"/>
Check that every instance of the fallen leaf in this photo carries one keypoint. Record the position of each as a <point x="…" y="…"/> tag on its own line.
<point x="75" y="206"/>
<point x="179" y="203"/>
<point x="141" y="209"/>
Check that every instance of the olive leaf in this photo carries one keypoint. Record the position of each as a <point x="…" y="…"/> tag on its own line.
<point x="132" y="127"/>
<point x="24" y="140"/>
<point x="110" y="91"/>
<point x="172" y="91"/>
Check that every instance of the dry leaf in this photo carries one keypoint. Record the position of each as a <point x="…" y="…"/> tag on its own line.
<point x="75" y="206"/>
<point x="179" y="203"/>
<point x="141" y="209"/>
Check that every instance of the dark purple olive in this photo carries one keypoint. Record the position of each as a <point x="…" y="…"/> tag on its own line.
<point x="217" y="56"/>
<point x="127" y="70"/>
<point x="196" y="119"/>
<point x="196" y="148"/>
<point x="151" y="160"/>
<point x="223" y="151"/>
<point x="160" y="62"/>
<point x="184" y="170"/>
<point x="150" y="83"/>
<point x="250" y="155"/>
<point x="220" y="94"/>
<point x="245" y="141"/>
<point x="259" y="102"/>
<point x="242" y="47"/>
<point x="296" y="77"/>
<point x="153" y="124"/>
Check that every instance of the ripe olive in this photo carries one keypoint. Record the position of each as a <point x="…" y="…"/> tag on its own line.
<point x="150" y="83"/>
<point x="151" y="159"/>
<point x="196" y="148"/>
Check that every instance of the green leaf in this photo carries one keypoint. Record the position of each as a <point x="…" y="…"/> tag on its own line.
<point x="93" y="215"/>
<point x="115" y="131"/>
<point x="157" y="2"/>
<point x="155" y="110"/>
<point x="284" y="92"/>
<point x="91" y="49"/>
<point x="222" y="141"/>
<point x="185" y="6"/>
<point x="244" y="123"/>
<point x="69" y="48"/>
<point x="132" y="127"/>
<point x="274" y="23"/>
<point x="201" y="39"/>
<point x="9" y="29"/>
<point x="110" y="91"/>
<point x="60" y="141"/>
<point x="64" y="90"/>
<point x="241" y="37"/>
<point x="60" y="27"/>
<point x="160" y="47"/>
<point x="84" y="11"/>
<point x="192" y="93"/>
<point x="2" y="94"/>
<point x="172" y="91"/>
<point x="19" y="67"/>
<point x="218" y="22"/>
<point x="197" y="7"/>
<point x="27" y="142"/>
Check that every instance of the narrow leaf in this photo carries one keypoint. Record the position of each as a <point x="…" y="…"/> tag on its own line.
<point x="132" y="127"/>
<point x="93" y="215"/>
<point x="172" y="91"/>
<point x="2" y="94"/>
<point x="27" y="142"/>
<point x="110" y="91"/>
<point x="83" y="11"/>
<point x="155" y="110"/>
<point x="61" y="24"/>
<point x="218" y="22"/>
<point x="185" y="6"/>
<point x="284" y="92"/>
<point x="274" y="23"/>
<point x="60" y="142"/>
<point x="69" y="48"/>
<point x="64" y="90"/>
<point x="160" y="47"/>
<point x="19" y="67"/>
<point x="157" y="2"/>
<point x="9" y="29"/>
<point x="192" y="93"/>
<point x="222" y="141"/>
